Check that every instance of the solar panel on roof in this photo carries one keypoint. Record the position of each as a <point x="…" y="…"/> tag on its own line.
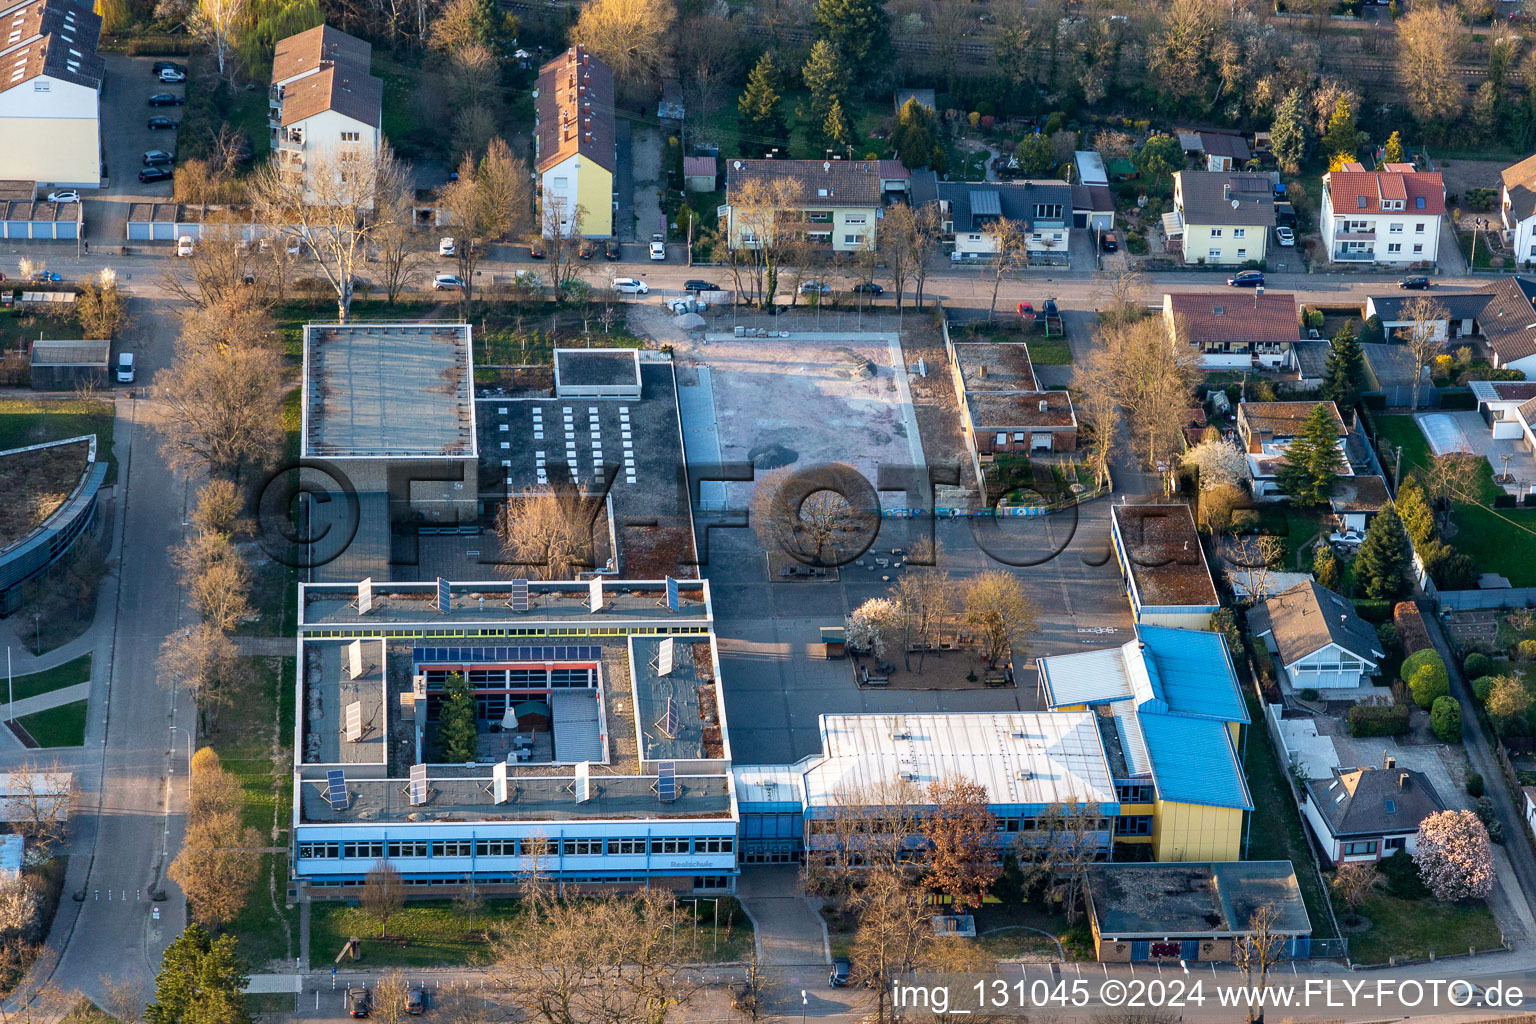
<point x="354" y="721"/>
<point x="519" y="601"/>
<point x="444" y="596"/>
<point x="669" y="719"/>
<point x="665" y="655"/>
<point x="418" y="784"/>
<point x="674" y="599"/>
<point x="423" y="655"/>
<point x="666" y="781"/>
<point x="336" y="789"/>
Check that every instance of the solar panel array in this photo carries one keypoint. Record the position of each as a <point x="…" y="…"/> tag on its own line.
<point x="499" y="782"/>
<point x="365" y="596"/>
<point x="354" y="721"/>
<point x="595" y="593"/>
<point x="674" y="599"/>
<point x="666" y="781"/>
<point x="665" y="657"/>
<point x="583" y="781"/>
<point x="427" y="655"/>
<point x="669" y="719"/>
<point x="444" y="596"/>
<point x="519" y="600"/>
<point x="418" y="784"/>
<point x="355" y="665"/>
<point x="336" y="789"/>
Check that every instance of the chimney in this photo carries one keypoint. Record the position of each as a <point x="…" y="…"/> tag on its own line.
<point x="1044" y="404"/>
<point x="1402" y="780"/>
<point x="1388" y="762"/>
<point x="981" y="371"/>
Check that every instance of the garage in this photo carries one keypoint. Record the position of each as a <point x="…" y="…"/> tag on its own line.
<point x="49" y="221"/>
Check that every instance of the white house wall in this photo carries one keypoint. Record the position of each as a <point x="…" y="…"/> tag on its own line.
<point x="52" y="134"/>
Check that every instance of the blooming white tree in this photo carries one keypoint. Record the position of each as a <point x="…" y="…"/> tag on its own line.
<point x="1454" y="856"/>
<point x="1219" y="463"/>
<point x="872" y="624"/>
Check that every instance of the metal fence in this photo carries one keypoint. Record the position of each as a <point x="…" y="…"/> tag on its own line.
<point x="802" y="320"/>
<point x="1468" y="600"/>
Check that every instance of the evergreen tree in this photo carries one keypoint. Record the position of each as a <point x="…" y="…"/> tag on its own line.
<point x="1158" y="156"/>
<point x="1343" y="373"/>
<point x="1384" y="566"/>
<point x="834" y="128"/>
<point x="1413" y="508"/>
<point x="1392" y="152"/>
<point x="1036" y="156"/>
<point x="1325" y="567"/>
<point x="759" y="104"/>
<point x="1342" y="137"/>
<point x="826" y="78"/>
<point x="456" y="731"/>
<point x="915" y="137"/>
<point x="1312" y="460"/>
<point x="201" y="981"/>
<point x="1288" y="132"/>
<point x="861" y="32"/>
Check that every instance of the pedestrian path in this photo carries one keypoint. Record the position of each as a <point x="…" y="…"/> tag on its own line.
<point x="790" y="933"/>
<point x="51" y="699"/>
<point x="268" y="646"/>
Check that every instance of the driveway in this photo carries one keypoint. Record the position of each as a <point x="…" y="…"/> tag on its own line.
<point x="649" y="178"/>
<point x="124" y="112"/>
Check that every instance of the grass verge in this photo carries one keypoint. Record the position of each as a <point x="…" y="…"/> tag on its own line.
<point x="68" y="674"/>
<point x="63" y="726"/>
<point x="1412" y="929"/>
<point x="270" y="1002"/>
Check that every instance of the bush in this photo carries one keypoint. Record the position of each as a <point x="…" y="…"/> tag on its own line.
<point x="1309" y="693"/>
<point x="1419" y="659"/>
<point x="1428" y="686"/>
<point x="1477" y="664"/>
<point x="1135" y="244"/>
<point x="1374" y="611"/>
<point x="1378" y="720"/>
<point x="1402" y="876"/>
<point x="1474" y="785"/>
<point x="1525" y="650"/>
<point x="1485" y="814"/>
<point x="1504" y="501"/>
<point x="1245" y="520"/>
<point x="1445" y="720"/>
<point x="1530" y="501"/>
<point x="1482" y="686"/>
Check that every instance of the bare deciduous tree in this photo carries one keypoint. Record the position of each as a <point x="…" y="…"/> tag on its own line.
<point x="893" y="933"/>
<point x="1354" y="883"/>
<point x="1068" y="839"/>
<point x="216" y="867"/>
<point x="814" y="515"/>
<point x="383" y="893"/>
<point x="41" y="801"/>
<point x="1149" y="379"/>
<point x="1259" y="949"/>
<point x="218" y="22"/>
<point x="759" y="232"/>
<point x="1422" y="337"/>
<point x="206" y="663"/>
<point x="1430" y="38"/>
<point x="633" y="37"/>
<point x="868" y="828"/>
<point x="389" y="998"/>
<point x="997" y="607"/>
<point x="1008" y="252"/>
<point x="549" y="533"/>
<point x="398" y="244"/>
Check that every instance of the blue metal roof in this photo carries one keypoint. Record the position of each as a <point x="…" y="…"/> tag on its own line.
<point x="1193" y="761"/>
<point x="1193" y="672"/>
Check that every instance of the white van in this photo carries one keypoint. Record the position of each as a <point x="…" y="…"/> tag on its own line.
<point x="125" y="368"/>
<point x="184" y="245"/>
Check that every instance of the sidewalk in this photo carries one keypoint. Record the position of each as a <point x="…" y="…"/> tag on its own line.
<point x="790" y="932"/>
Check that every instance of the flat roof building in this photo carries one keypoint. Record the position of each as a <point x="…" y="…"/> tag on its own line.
<point x="1166" y="575"/>
<point x="51" y="501"/>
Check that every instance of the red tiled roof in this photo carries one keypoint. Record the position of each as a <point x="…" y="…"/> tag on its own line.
<point x="1225" y="316"/>
<point x="1348" y="186"/>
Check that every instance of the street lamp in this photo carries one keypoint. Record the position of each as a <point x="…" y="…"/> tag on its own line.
<point x="188" y="734"/>
<point x="803" y="1002"/>
<point x="37" y="623"/>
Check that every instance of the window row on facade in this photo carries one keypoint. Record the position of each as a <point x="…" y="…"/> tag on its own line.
<point x="515" y="847"/>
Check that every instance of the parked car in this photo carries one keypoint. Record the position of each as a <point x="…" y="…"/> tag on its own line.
<point x="166" y="65"/>
<point x="1247" y="279"/>
<point x="1049" y="308"/>
<point x="150" y="174"/>
<point x="1026" y="311"/>
<point x="447" y="283"/>
<point x="159" y="123"/>
<point x="869" y="288"/>
<point x="842" y="970"/>
<point x="587" y="249"/>
<point x="357" y="1002"/>
<point x="630" y="286"/>
<point x="658" y="250"/>
<point x="158" y="158"/>
<point x="67" y="195"/>
<point x="45" y="277"/>
<point x="124" y="370"/>
<point x="1348" y="538"/>
<point x="536" y="250"/>
<point x="445" y="247"/>
<point x="700" y="286"/>
<point x="170" y="76"/>
<point x="612" y="250"/>
<point x="1284" y="235"/>
<point x="185" y="246"/>
<point x="165" y="99"/>
<point x="815" y="288"/>
<point x="416" y="1001"/>
<point x="1414" y="283"/>
<point x="1109" y="242"/>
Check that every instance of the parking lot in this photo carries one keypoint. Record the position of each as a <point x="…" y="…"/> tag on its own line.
<point x="125" y="111"/>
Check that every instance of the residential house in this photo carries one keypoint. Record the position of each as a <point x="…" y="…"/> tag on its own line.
<point x="1462" y="310"/>
<point x="1499" y="402"/>
<point x="1389" y="216"/>
<point x="1223" y="151"/>
<point x="1517" y="209"/>
<point x="699" y="173"/>
<point x="1527" y="416"/>
<point x="1528" y="806"/>
<point x="1508" y="323"/>
<point x="1222" y="217"/>
<point x="1042" y="209"/>
<point x="1366" y="814"/>
<point x="323" y="107"/>
<point x="1181" y="914"/>
<point x="1317" y="638"/>
<point x="50" y="93"/>
<point x="1356" y="500"/>
<point x="1234" y="330"/>
<point x="1171" y="713"/>
<point x="839" y="202"/>
<point x="1268" y="428"/>
<point x="1093" y="207"/>
<point x="1003" y="408"/>
<point x="1163" y="565"/>
<point x="574" y="145"/>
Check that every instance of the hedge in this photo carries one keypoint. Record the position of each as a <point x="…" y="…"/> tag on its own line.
<point x="1445" y="719"/>
<point x="1419" y="659"/>
<point x="1378" y="720"/>
<point x="1373" y="610"/>
<point x="1477" y="664"/>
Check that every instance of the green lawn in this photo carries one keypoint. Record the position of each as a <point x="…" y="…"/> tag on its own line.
<point x="1275" y="833"/>
<point x="1498" y="540"/>
<point x="63" y="726"/>
<point x="1050" y="352"/>
<point x="270" y="1002"/>
<point x="1410" y="929"/>
<point x="68" y="674"/>
<point x="1297" y="525"/>
<point x="28" y="421"/>
<point x="440" y="936"/>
